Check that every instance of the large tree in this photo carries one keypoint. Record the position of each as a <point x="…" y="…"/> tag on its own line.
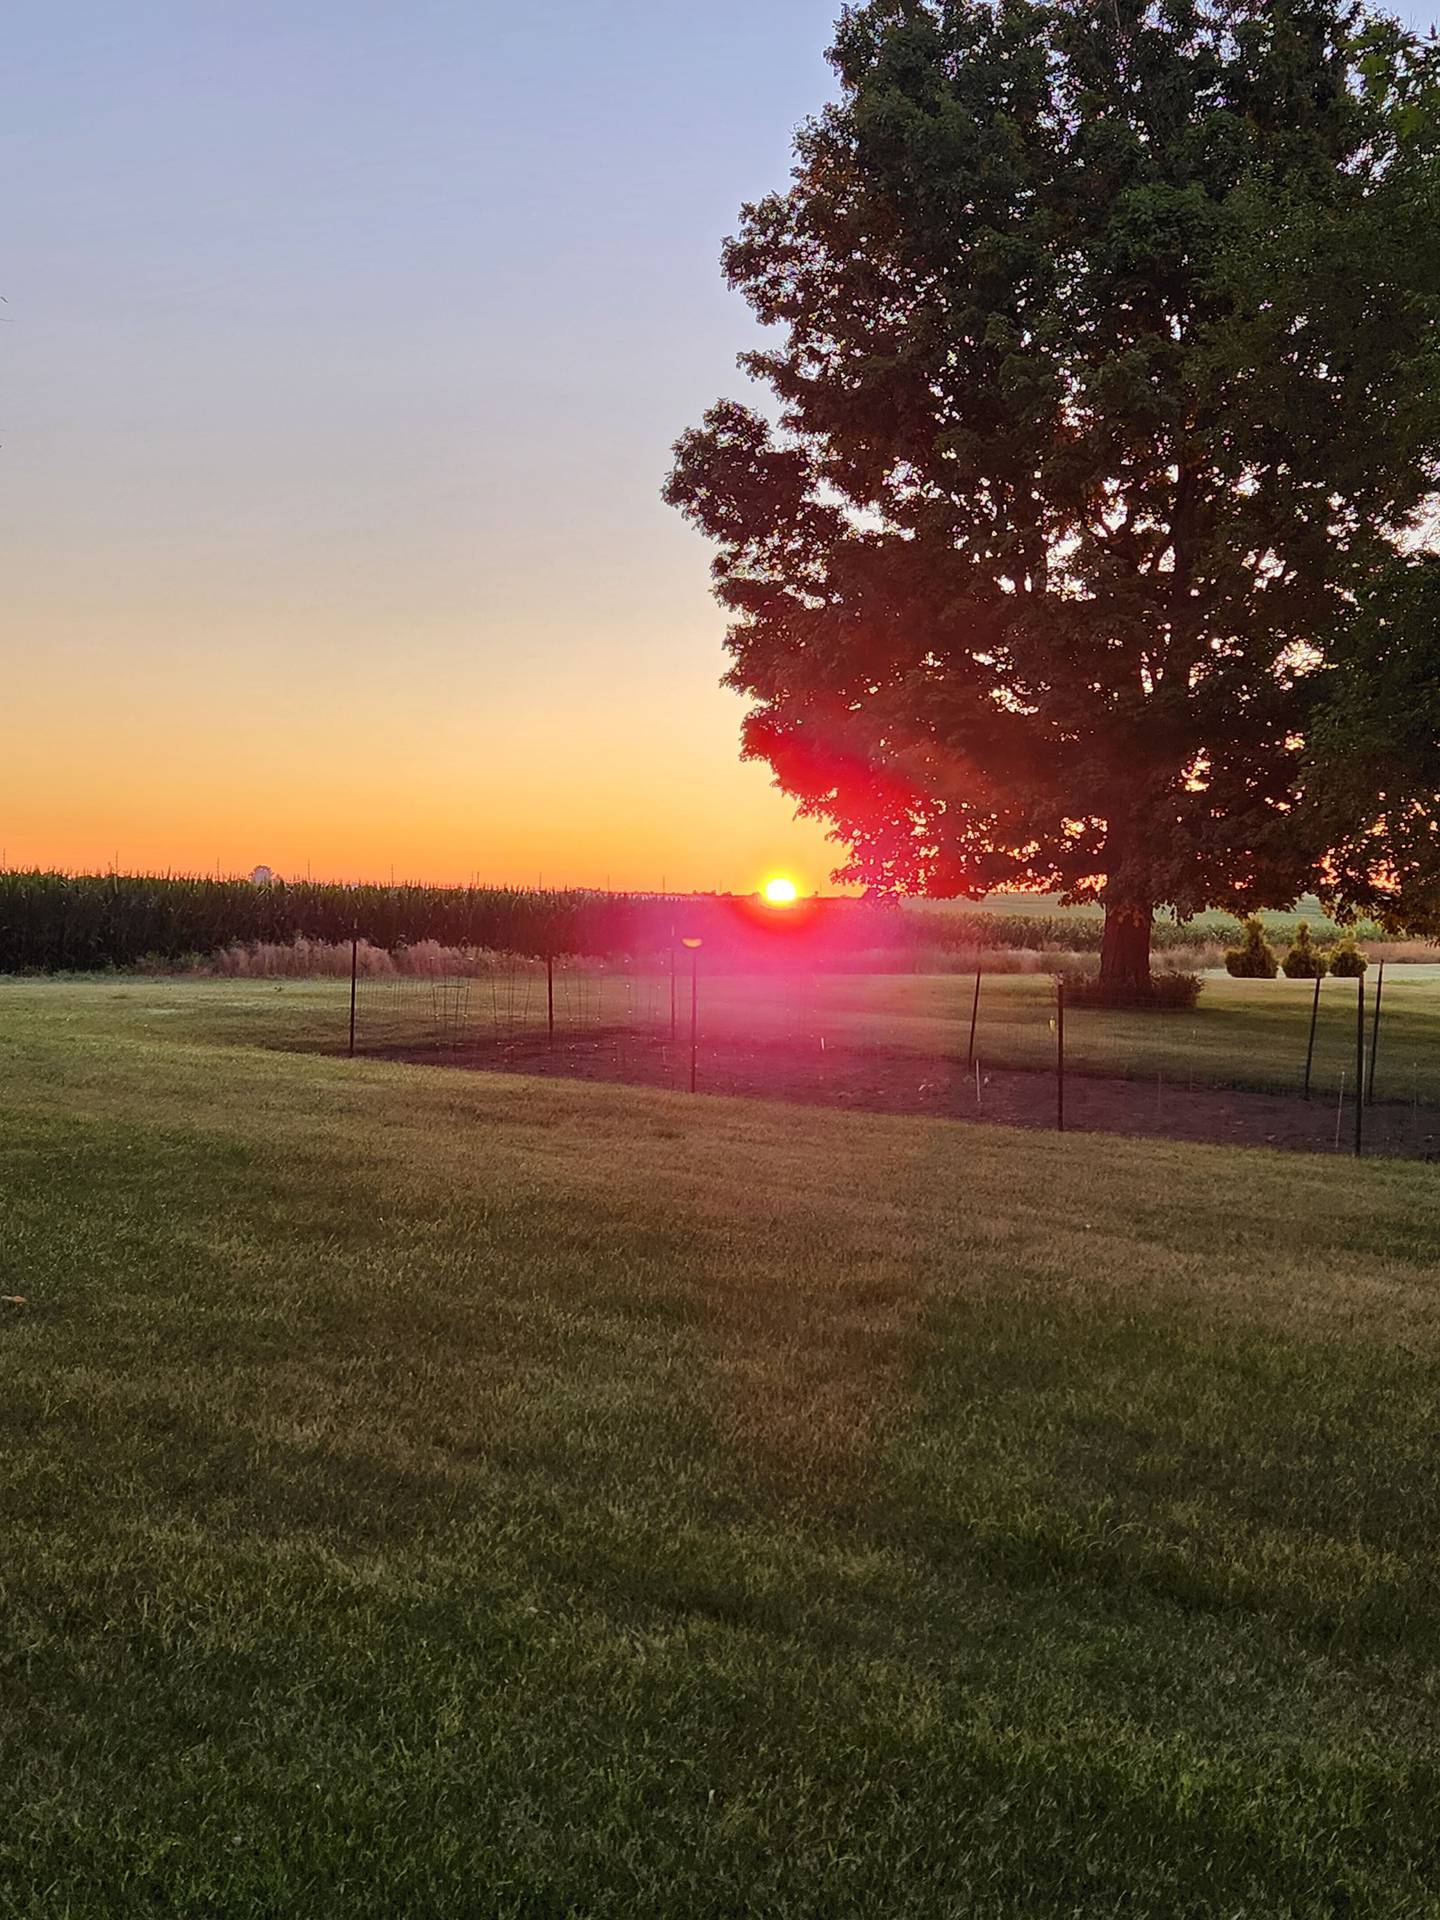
<point x="1108" y="389"/>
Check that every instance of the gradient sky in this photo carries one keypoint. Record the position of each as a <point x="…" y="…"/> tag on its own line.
<point x="344" y="347"/>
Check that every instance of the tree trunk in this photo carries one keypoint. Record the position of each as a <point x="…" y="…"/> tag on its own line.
<point x="1125" y="949"/>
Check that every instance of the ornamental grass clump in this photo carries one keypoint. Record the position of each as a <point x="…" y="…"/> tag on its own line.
<point x="1164" y="992"/>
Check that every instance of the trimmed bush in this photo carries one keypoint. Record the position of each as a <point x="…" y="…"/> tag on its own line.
<point x="1254" y="958"/>
<point x="1163" y="993"/>
<point x="1347" y="962"/>
<point x="1304" y="961"/>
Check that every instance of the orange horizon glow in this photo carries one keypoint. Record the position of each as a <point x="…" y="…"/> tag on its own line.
<point x="252" y="761"/>
<point x="288" y="588"/>
<point x="779" y="893"/>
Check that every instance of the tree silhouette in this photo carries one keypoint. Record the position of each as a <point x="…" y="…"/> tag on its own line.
<point x="1107" y="382"/>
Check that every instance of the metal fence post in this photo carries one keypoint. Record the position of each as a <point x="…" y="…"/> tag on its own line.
<point x="1375" y="1034"/>
<point x="1310" y="1050"/>
<point x="1060" y="1056"/>
<point x="354" y="978"/>
<point x="974" y="1016"/>
<point x="1359" y="1066"/>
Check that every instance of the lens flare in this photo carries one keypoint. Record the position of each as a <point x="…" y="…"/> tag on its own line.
<point x="781" y="892"/>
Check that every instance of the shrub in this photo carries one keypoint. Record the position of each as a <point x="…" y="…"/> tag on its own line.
<point x="1163" y="993"/>
<point x="1304" y="961"/>
<point x="1254" y="958"/>
<point x="1346" y="961"/>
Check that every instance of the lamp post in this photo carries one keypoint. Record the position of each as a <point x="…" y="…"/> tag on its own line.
<point x="694" y="946"/>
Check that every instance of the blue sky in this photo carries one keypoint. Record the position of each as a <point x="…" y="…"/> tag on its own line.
<point x="345" y="346"/>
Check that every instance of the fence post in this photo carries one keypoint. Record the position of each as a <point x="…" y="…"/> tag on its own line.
<point x="1059" y="1055"/>
<point x="1310" y="1049"/>
<point x="1359" y="1066"/>
<point x="354" y="977"/>
<point x="694" y="1009"/>
<point x="1375" y="1034"/>
<point x="672" y="987"/>
<point x="974" y="1016"/>
<point x="550" y="996"/>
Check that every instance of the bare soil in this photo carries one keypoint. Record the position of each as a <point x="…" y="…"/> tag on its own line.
<point x="891" y="1080"/>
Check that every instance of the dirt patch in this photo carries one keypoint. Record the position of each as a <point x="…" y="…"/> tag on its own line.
<point x="890" y="1080"/>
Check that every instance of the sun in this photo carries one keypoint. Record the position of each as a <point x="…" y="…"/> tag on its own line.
<point x="781" y="892"/>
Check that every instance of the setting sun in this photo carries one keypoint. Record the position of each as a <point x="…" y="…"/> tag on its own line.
<point x="781" y="892"/>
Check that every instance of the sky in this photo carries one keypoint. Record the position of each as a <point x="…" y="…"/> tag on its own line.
<point x="343" y="348"/>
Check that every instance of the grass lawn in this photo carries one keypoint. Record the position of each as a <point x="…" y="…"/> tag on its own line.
<point x="1214" y="924"/>
<point x="1243" y="1033"/>
<point x="449" y="1494"/>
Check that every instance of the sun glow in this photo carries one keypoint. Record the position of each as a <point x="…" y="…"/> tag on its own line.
<point x="780" y="892"/>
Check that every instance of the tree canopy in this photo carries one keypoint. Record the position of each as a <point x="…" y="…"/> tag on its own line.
<point x="1106" y="402"/>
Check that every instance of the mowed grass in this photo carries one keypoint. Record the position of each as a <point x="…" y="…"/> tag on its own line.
<point x="451" y="1494"/>
<point x="1214" y="924"/>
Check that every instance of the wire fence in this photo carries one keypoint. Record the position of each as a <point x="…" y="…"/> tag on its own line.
<point x="1275" y="1063"/>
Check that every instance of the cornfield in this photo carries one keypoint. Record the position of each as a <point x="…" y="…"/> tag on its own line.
<point x="58" y="922"/>
<point x="53" y="922"/>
